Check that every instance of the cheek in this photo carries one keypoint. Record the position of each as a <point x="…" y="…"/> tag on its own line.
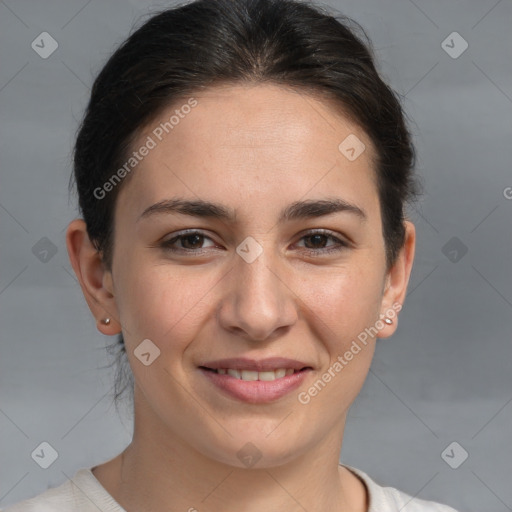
<point x="345" y="299"/>
<point x="348" y="306"/>
<point x="341" y="306"/>
<point x="166" y="303"/>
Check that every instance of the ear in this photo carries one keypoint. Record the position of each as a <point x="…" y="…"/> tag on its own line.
<point x="96" y="282"/>
<point x="396" y="282"/>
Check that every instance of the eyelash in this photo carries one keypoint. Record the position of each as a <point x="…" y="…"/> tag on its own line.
<point x="341" y="244"/>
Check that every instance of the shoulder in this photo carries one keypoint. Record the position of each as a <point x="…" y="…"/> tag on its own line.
<point x="54" y="499"/>
<point x="406" y="503"/>
<point x="389" y="499"/>
<point x="82" y="493"/>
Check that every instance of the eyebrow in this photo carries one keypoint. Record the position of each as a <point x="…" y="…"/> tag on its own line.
<point x="294" y="211"/>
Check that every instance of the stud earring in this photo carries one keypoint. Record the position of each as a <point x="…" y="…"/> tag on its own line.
<point x="105" y="321"/>
<point x="388" y="321"/>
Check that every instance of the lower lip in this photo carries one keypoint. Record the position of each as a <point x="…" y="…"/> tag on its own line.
<point x="256" y="391"/>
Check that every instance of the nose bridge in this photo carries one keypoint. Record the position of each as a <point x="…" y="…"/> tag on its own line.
<point x="258" y="302"/>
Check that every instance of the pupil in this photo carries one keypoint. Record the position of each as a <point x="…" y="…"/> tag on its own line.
<point x="192" y="236"/>
<point x="317" y="237"/>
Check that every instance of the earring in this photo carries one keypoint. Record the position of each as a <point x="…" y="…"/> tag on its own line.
<point x="105" y="321"/>
<point x="388" y="321"/>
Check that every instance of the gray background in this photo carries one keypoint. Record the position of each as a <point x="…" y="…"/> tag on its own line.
<point x="446" y="374"/>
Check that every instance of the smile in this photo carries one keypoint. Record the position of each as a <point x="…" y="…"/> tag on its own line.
<point x="251" y="375"/>
<point x="255" y="387"/>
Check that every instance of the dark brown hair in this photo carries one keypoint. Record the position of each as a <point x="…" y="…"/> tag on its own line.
<point x="203" y="43"/>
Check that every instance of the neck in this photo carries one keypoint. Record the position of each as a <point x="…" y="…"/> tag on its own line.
<point x="159" y="471"/>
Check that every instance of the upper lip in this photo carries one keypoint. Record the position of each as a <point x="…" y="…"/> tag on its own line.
<point x="242" y="363"/>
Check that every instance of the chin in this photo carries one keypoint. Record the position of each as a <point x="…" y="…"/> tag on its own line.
<point x="257" y="448"/>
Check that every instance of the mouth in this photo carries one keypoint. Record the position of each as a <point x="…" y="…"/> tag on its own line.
<point x="253" y="375"/>
<point x="254" y="381"/>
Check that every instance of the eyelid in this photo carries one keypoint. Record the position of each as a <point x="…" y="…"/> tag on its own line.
<point x="341" y="242"/>
<point x="326" y="232"/>
<point x="186" y="232"/>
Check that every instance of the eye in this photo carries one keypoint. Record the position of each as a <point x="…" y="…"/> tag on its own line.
<point x="317" y="242"/>
<point x="191" y="241"/>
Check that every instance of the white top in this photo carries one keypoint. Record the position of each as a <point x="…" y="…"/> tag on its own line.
<point x="84" y="493"/>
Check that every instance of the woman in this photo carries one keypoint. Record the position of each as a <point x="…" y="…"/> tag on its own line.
<point x="242" y="172"/>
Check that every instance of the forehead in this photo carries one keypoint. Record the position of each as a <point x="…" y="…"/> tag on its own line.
<point x="250" y="140"/>
<point x="259" y="117"/>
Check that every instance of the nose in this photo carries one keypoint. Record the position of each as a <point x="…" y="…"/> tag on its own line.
<point x="258" y="303"/>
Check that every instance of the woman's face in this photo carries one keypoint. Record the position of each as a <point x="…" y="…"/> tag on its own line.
<point x="256" y="285"/>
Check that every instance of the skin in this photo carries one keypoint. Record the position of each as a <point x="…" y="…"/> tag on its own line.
<point x="254" y="149"/>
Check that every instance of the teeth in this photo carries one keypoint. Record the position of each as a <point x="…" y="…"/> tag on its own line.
<point x="254" y="375"/>
<point x="234" y="373"/>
